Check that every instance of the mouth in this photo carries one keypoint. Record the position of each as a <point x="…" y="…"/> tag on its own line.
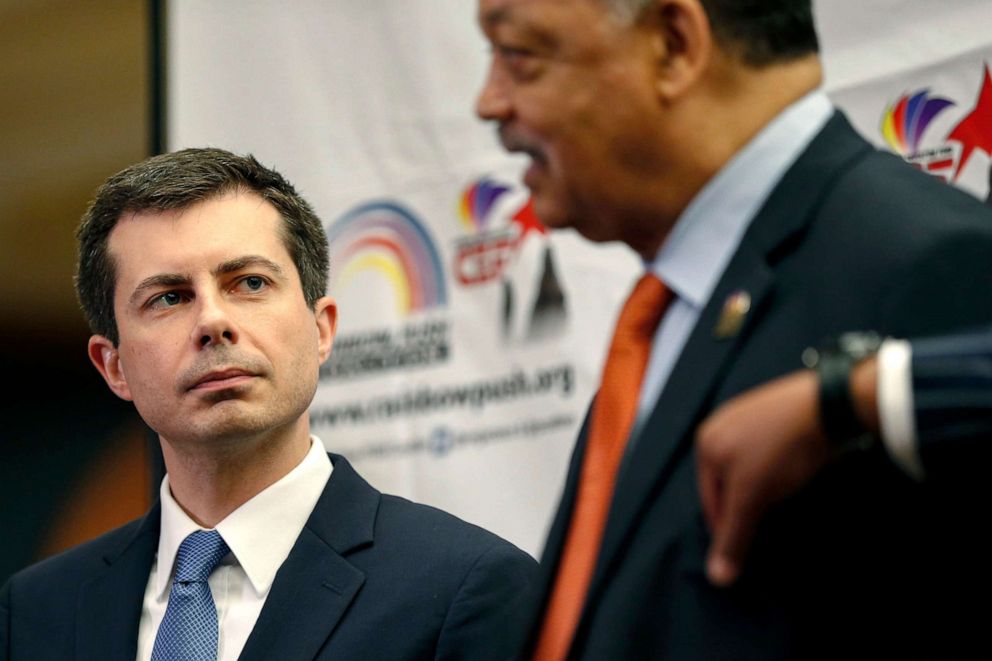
<point x="516" y="145"/>
<point x="532" y="175"/>
<point x="221" y="379"/>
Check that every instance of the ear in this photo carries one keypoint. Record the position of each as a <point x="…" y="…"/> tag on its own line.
<point x="326" y="314"/>
<point x="107" y="360"/>
<point x="683" y="42"/>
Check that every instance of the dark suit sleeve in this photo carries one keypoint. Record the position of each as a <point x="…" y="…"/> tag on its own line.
<point x="952" y="397"/>
<point x="5" y="622"/>
<point x="487" y="617"/>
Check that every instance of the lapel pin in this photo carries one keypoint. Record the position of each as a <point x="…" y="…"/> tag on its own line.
<point x="732" y="317"/>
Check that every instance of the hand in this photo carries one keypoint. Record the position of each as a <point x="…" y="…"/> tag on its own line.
<point x="754" y="451"/>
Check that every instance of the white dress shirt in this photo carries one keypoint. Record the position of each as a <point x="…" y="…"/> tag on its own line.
<point x="895" y="405"/>
<point x="709" y="231"/>
<point x="260" y="534"/>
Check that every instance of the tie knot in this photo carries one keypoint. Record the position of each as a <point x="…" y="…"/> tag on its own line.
<point x="198" y="555"/>
<point x="643" y="310"/>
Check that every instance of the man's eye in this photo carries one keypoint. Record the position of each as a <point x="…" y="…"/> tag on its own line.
<point x="167" y="300"/>
<point x="253" y="283"/>
<point x="521" y="62"/>
<point x="514" y="55"/>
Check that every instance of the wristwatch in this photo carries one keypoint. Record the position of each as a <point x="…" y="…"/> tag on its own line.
<point x="833" y="363"/>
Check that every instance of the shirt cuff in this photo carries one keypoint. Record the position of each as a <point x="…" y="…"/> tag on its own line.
<point x="895" y="406"/>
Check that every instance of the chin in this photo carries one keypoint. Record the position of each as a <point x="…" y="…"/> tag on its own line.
<point x="595" y="234"/>
<point x="229" y="426"/>
<point x="551" y="214"/>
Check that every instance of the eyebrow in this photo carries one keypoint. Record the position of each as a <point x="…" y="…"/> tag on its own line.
<point x="184" y="279"/>
<point x="241" y="263"/>
<point x="494" y="17"/>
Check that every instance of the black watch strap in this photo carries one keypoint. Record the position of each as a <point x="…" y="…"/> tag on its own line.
<point x="833" y="366"/>
<point x="837" y="414"/>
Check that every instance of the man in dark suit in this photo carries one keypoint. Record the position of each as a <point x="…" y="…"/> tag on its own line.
<point x="928" y="403"/>
<point x="202" y="274"/>
<point x="696" y="132"/>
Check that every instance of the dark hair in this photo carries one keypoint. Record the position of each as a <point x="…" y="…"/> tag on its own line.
<point x="176" y="181"/>
<point x="760" y="32"/>
<point x="764" y="31"/>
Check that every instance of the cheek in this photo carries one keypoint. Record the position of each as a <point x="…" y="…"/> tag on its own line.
<point x="152" y="361"/>
<point x="550" y="114"/>
<point x="579" y="146"/>
<point x="141" y="370"/>
<point x="579" y="169"/>
<point x="295" y="341"/>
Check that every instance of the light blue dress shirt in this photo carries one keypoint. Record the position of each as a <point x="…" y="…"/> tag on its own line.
<point x="709" y="231"/>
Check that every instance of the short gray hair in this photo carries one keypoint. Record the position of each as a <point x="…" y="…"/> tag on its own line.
<point x="626" y="10"/>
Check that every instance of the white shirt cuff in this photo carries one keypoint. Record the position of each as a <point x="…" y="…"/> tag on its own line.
<point x="895" y="406"/>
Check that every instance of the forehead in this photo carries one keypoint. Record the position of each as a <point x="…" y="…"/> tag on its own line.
<point x="569" y="29"/>
<point x="534" y="13"/>
<point x="198" y="237"/>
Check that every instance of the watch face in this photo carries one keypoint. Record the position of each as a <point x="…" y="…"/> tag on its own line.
<point x="810" y="357"/>
<point x="859" y="345"/>
<point x="856" y="345"/>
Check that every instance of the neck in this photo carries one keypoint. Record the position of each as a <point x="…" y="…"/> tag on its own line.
<point x="212" y="478"/>
<point x="710" y="125"/>
<point x="743" y="100"/>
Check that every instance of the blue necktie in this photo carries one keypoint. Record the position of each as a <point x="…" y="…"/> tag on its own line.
<point x="189" y="629"/>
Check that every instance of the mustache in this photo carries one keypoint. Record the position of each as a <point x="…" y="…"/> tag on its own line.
<point x="222" y="358"/>
<point x="518" y="145"/>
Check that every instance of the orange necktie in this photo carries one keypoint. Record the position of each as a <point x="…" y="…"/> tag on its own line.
<point x="612" y="418"/>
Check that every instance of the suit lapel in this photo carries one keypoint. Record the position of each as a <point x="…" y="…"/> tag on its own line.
<point x="109" y="608"/>
<point x="776" y="231"/>
<point x="316" y="584"/>
<point x="690" y="386"/>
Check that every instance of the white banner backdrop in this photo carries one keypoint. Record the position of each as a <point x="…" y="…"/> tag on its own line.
<point x="470" y="340"/>
<point x="913" y="76"/>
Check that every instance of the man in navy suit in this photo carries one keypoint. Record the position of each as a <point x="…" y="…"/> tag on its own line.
<point x="697" y="132"/>
<point x="202" y="275"/>
<point x="927" y="403"/>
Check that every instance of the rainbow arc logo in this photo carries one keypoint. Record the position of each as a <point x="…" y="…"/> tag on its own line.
<point x="387" y="239"/>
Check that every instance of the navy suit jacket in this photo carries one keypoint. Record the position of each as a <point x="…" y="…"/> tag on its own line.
<point x="952" y="399"/>
<point x="864" y="563"/>
<point x="371" y="576"/>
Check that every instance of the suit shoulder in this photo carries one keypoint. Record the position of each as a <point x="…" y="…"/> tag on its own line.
<point x="882" y="188"/>
<point x="429" y="530"/>
<point x="487" y="586"/>
<point x="888" y="218"/>
<point x="404" y="530"/>
<point x="75" y="564"/>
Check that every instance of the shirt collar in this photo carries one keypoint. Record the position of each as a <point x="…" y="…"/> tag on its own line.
<point x="709" y="231"/>
<point x="261" y="532"/>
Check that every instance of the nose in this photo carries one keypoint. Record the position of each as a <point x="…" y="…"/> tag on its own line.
<point x="493" y="102"/>
<point x="213" y="325"/>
